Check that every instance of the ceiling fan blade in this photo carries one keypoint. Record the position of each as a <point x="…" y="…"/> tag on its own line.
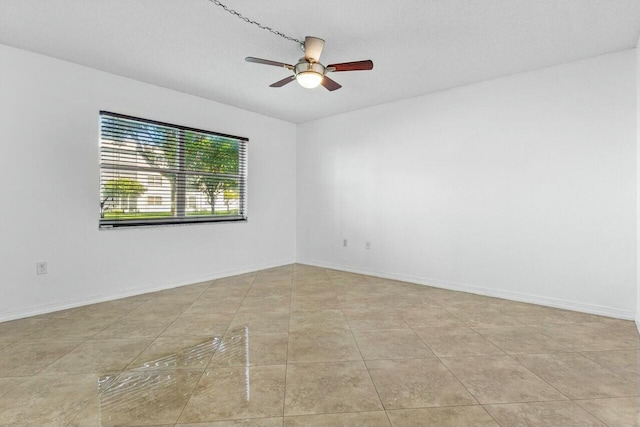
<point x="283" y="82"/>
<point x="313" y="48"/>
<point x="329" y="84"/>
<point x="268" y="62"/>
<point x="352" y="66"/>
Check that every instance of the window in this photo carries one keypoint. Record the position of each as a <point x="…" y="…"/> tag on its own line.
<point x="168" y="165"/>
<point x="154" y="180"/>
<point x="192" y="202"/>
<point x="154" y="200"/>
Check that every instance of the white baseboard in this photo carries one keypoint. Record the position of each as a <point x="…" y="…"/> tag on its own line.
<point x="513" y="296"/>
<point x="638" y="321"/>
<point x="93" y="299"/>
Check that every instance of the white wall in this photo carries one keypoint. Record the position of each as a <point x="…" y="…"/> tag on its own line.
<point x="49" y="183"/>
<point x="638" y="177"/>
<point x="522" y="187"/>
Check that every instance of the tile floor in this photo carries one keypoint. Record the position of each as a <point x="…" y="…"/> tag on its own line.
<point x="305" y="346"/>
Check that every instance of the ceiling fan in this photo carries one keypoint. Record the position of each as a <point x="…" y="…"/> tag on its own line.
<point x="309" y="72"/>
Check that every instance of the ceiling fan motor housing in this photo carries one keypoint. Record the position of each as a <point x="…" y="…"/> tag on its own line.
<point x="304" y="66"/>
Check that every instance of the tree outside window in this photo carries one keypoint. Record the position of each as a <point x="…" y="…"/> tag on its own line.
<point x="190" y="165"/>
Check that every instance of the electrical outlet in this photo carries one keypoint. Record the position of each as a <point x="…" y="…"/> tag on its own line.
<point x="344" y="243"/>
<point x="367" y="245"/>
<point x="41" y="268"/>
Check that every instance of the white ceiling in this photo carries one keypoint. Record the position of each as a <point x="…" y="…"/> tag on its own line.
<point x="417" y="46"/>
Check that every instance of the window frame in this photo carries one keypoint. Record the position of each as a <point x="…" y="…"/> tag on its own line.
<point x="154" y="181"/>
<point x="242" y="216"/>
<point x="154" y="200"/>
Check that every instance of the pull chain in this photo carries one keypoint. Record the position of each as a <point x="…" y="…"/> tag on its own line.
<point x="259" y="25"/>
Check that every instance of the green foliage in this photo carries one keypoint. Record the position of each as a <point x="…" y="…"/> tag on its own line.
<point x="123" y="187"/>
<point x="159" y="146"/>
<point x="121" y="192"/>
<point x="172" y="151"/>
<point x="121" y="214"/>
<point x="218" y="160"/>
<point x="231" y="194"/>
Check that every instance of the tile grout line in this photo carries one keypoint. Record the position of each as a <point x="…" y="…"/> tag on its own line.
<point x="537" y="376"/>
<point x="97" y="394"/>
<point x="352" y="331"/>
<point x="195" y="387"/>
<point x="203" y="371"/>
<point x="592" y="414"/>
<point x="505" y="354"/>
<point x="366" y="367"/>
<point x="475" y="329"/>
<point x="286" y="360"/>
<point x="153" y="339"/>
<point x="448" y="369"/>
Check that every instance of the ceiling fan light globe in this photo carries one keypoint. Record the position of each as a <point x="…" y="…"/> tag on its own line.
<point x="309" y="79"/>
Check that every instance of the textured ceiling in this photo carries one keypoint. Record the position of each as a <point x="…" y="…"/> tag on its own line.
<point x="418" y="46"/>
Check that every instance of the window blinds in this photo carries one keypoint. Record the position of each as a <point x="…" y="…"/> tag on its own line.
<point x="158" y="173"/>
